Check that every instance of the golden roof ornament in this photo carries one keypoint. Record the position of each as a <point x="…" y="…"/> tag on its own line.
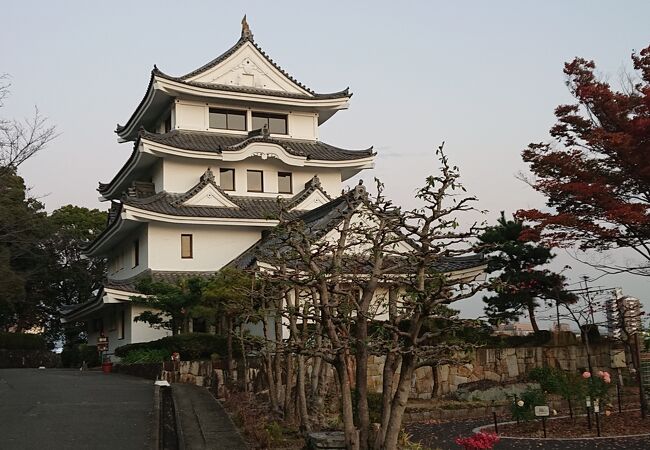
<point x="245" y="29"/>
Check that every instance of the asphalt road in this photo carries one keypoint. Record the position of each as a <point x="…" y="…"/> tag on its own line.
<point x="67" y="409"/>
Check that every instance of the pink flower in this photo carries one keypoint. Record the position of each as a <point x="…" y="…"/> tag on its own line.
<point x="601" y="374"/>
<point x="586" y="374"/>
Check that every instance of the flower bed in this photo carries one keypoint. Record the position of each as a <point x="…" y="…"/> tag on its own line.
<point x="627" y="423"/>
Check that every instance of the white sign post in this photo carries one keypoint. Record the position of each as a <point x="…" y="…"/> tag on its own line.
<point x="543" y="412"/>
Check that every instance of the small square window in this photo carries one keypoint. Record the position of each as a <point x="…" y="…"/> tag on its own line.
<point x="255" y="181"/>
<point x="284" y="183"/>
<point x="186" y="246"/>
<point x="227" y="179"/>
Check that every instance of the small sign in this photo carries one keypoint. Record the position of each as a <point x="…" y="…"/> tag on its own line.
<point x="588" y="401"/>
<point x="596" y="406"/>
<point x="542" y="411"/>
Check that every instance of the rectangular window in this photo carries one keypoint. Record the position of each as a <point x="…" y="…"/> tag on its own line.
<point x="227" y="179"/>
<point x="255" y="181"/>
<point x="120" y="330"/>
<point x="168" y="123"/>
<point x="277" y="124"/>
<point x="136" y="253"/>
<point x="186" y="246"/>
<point x="284" y="183"/>
<point x="228" y="119"/>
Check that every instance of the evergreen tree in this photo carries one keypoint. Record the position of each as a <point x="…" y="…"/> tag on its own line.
<point x="521" y="283"/>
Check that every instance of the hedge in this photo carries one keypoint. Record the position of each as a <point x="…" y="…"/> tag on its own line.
<point x="22" y="341"/>
<point x="74" y="356"/>
<point x="191" y="346"/>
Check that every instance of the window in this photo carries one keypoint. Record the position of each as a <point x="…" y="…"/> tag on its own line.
<point x="186" y="246"/>
<point x="227" y="119"/>
<point x="277" y="124"/>
<point x="120" y="330"/>
<point x="284" y="183"/>
<point x="168" y="123"/>
<point x="136" y="253"/>
<point x="255" y="181"/>
<point x="227" y="179"/>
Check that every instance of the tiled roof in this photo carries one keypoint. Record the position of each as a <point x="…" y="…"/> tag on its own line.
<point x="130" y="284"/>
<point x="265" y="208"/>
<point x="253" y="90"/>
<point x="240" y="43"/>
<point x="208" y="141"/>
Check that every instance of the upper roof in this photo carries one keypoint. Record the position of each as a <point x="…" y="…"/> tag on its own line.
<point x="245" y="69"/>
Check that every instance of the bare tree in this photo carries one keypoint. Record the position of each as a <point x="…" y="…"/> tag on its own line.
<point x="361" y="264"/>
<point x="20" y="140"/>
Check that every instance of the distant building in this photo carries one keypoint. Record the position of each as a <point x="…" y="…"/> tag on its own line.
<point x="514" y="329"/>
<point x="623" y="314"/>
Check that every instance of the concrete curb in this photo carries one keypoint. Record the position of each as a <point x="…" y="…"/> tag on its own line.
<point x="177" y="419"/>
<point x="155" y="422"/>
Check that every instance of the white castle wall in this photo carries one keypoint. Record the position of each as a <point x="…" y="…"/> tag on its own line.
<point x="181" y="174"/>
<point x="214" y="246"/>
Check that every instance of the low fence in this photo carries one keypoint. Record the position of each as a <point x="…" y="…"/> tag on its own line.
<point x="15" y="359"/>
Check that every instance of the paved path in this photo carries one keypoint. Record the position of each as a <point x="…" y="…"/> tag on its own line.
<point x="203" y="422"/>
<point x="442" y="436"/>
<point x="66" y="409"/>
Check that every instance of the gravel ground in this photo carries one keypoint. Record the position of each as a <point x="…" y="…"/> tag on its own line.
<point x="442" y="435"/>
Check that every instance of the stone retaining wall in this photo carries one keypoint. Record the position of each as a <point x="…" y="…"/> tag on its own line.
<point x="506" y="365"/>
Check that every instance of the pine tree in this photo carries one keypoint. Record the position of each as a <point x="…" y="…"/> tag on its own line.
<point x="521" y="283"/>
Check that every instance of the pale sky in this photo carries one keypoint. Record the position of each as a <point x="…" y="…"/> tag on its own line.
<point x="483" y="76"/>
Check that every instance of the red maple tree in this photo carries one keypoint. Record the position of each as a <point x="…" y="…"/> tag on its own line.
<point x="595" y="174"/>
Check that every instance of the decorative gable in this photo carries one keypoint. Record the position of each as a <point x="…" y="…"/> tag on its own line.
<point x="313" y="200"/>
<point x="206" y="193"/>
<point x="247" y="67"/>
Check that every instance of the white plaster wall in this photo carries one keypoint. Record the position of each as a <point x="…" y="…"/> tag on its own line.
<point x="190" y="116"/>
<point x="193" y="115"/>
<point x="157" y="175"/>
<point x="303" y="126"/>
<point x="182" y="174"/>
<point x="213" y="246"/>
<point x="124" y="250"/>
<point x="141" y="331"/>
<point x="111" y="318"/>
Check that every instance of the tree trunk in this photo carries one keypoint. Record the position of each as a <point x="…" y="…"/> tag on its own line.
<point x="288" y="404"/>
<point x="398" y="405"/>
<point x="229" y="349"/>
<point x="363" y="414"/>
<point x="531" y="316"/>
<point x="351" y="438"/>
<point x="302" y="397"/>
<point x="273" y="397"/>
<point x="390" y="367"/>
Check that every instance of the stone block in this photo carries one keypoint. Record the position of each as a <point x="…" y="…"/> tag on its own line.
<point x="443" y="373"/>
<point x="512" y="366"/>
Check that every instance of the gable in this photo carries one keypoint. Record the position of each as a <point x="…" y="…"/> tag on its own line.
<point x="209" y="195"/>
<point x="313" y="200"/>
<point x="247" y="67"/>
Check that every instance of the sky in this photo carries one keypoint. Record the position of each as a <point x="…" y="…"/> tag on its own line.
<point x="484" y="77"/>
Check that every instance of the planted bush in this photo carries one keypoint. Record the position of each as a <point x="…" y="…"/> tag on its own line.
<point x="191" y="346"/>
<point x="523" y="407"/>
<point x="139" y="356"/>
<point x="22" y="341"/>
<point x="75" y="355"/>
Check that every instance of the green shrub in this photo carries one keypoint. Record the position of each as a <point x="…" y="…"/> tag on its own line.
<point x="22" y="341"/>
<point x="191" y="346"/>
<point x="139" y="356"/>
<point x="526" y="411"/>
<point x="74" y="355"/>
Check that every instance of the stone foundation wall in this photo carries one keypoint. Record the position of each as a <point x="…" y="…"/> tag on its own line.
<point x="505" y="365"/>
